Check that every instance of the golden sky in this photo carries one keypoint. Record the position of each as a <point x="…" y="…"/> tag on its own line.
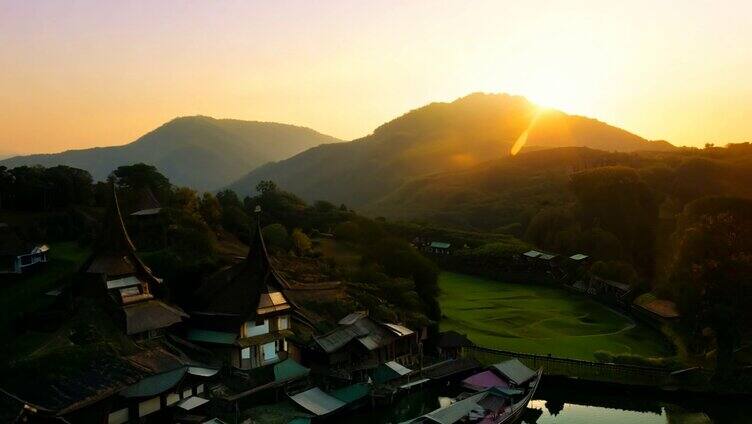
<point x="76" y="74"/>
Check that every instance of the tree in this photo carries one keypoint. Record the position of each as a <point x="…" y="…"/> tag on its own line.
<point x="186" y="199"/>
<point x="275" y="235"/>
<point x="300" y="241"/>
<point x="712" y="271"/>
<point x="347" y="231"/>
<point x="141" y="176"/>
<point x="266" y="186"/>
<point x="210" y="210"/>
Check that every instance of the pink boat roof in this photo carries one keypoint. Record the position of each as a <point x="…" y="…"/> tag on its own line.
<point x="484" y="380"/>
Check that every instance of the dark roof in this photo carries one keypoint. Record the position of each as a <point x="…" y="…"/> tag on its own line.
<point x="236" y="290"/>
<point x="151" y="315"/>
<point x="452" y="339"/>
<point x="113" y="252"/>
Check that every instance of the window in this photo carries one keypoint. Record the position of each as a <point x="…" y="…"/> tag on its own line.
<point x="187" y="393"/>
<point x="172" y="398"/>
<point x="148" y="406"/>
<point x="118" y="417"/>
<point x="256" y="328"/>
<point x="245" y="353"/>
<point x="270" y="352"/>
<point x="199" y="389"/>
<point x="283" y="323"/>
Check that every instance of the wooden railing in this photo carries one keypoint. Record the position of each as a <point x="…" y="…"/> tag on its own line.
<point x="575" y="368"/>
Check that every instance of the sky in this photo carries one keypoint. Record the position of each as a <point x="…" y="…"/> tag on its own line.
<point x="78" y="74"/>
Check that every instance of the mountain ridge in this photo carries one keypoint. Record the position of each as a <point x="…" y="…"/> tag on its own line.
<point x="197" y="151"/>
<point x="438" y="137"/>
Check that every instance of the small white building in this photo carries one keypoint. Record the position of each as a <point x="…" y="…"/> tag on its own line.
<point x="17" y="256"/>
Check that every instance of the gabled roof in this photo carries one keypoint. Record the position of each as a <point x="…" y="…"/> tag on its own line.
<point x="237" y="290"/>
<point x="113" y="252"/>
<point x="151" y="315"/>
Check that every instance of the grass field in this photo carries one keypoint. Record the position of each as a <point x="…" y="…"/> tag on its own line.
<point x="27" y="292"/>
<point x="540" y="319"/>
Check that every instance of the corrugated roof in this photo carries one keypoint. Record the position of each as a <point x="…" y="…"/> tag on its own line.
<point x="317" y="402"/>
<point x="440" y="245"/>
<point x="202" y="371"/>
<point x="457" y="411"/>
<point x="578" y="257"/>
<point x="515" y="371"/>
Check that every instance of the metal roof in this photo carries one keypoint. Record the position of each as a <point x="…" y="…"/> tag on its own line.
<point x="515" y="371"/>
<point x="208" y="336"/>
<point x="289" y="369"/>
<point x="399" y="329"/>
<point x="155" y="384"/>
<point x="353" y="317"/>
<point x="147" y="212"/>
<point x="578" y="257"/>
<point x="440" y="245"/>
<point x="123" y="282"/>
<point x="192" y="402"/>
<point x="317" y="402"/>
<point x="532" y="253"/>
<point x="202" y="372"/>
<point x="456" y="411"/>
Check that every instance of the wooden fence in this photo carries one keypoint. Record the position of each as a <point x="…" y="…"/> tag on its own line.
<point x="574" y="368"/>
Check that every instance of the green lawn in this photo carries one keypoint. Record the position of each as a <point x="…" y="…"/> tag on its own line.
<point x="540" y="319"/>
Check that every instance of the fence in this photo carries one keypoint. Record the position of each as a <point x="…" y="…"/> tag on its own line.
<point x="574" y="368"/>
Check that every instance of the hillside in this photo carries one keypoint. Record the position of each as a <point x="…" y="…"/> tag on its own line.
<point x="196" y="151"/>
<point x="505" y="194"/>
<point x="436" y="138"/>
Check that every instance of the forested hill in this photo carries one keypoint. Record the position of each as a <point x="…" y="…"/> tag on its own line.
<point x="197" y="151"/>
<point x="436" y="138"/>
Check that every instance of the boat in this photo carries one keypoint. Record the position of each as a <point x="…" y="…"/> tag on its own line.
<point x="499" y="395"/>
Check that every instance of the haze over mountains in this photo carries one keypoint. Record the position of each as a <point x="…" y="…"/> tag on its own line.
<point x="195" y="151"/>
<point x="436" y="138"/>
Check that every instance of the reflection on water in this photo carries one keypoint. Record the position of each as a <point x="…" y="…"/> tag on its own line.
<point x="569" y="405"/>
<point x="555" y="412"/>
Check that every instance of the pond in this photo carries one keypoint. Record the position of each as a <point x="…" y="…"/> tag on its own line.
<point x="572" y="405"/>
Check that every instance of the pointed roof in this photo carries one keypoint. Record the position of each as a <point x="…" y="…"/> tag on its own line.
<point x="113" y="252"/>
<point x="237" y="290"/>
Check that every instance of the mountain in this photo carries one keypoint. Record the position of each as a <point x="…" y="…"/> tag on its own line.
<point x="436" y="138"/>
<point x="195" y="151"/>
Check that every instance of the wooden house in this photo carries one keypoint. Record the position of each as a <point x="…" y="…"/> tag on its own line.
<point x="243" y="314"/>
<point x="360" y="343"/>
<point x="114" y="272"/>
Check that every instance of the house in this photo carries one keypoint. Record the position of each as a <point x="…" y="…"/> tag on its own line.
<point x="658" y="310"/>
<point x="361" y="343"/>
<point x="114" y="272"/>
<point x="17" y="256"/>
<point x="439" y="248"/>
<point x="449" y="344"/>
<point x="243" y="314"/>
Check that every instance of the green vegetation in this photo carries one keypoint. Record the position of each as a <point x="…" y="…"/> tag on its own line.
<point x="539" y="319"/>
